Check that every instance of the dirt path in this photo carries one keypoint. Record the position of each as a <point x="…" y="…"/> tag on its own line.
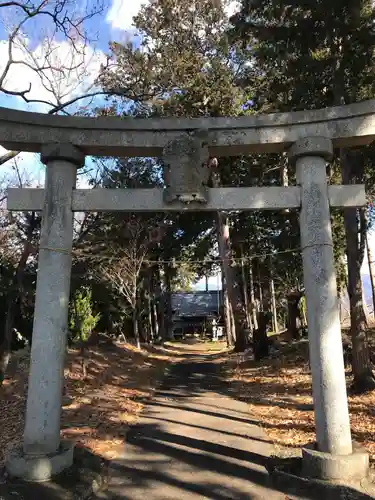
<point x="193" y="441"/>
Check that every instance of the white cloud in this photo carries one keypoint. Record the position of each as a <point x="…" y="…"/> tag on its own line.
<point x="83" y="182"/>
<point x="29" y="167"/>
<point x="232" y="8"/>
<point x="68" y="74"/>
<point x="120" y="15"/>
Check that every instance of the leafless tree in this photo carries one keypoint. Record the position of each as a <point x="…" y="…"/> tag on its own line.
<point x="18" y="242"/>
<point x="19" y="19"/>
<point x="61" y="73"/>
<point x="65" y="17"/>
<point x="122" y="268"/>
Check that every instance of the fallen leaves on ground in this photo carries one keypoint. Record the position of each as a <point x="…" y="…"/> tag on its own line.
<point x="278" y="392"/>
<point x="101" y="405"/>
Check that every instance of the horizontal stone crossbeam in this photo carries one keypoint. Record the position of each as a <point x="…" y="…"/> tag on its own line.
<point x="151" y="200"/>
<point x="346" y="126"/>
<point x="353" y="195"/>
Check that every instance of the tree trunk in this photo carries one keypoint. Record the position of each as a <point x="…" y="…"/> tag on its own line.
<point x="355" y="230"/>
<point x="294" y="320"/>
<point x="5" y="347"/>
<point x="135" y="315"/>
<point x="238" y="311"/>
<point x="252" y="296"/>
<point x="239" y="316"/>
<point x="149" y="306"/>
<point x="261" y="342"/>
<point x="168" y="300"/>
<point x="232" y="322"/>
<point x="284" y="176"/>
<point x="245" y="292"/>
<point x="227" y="313"/>
<point x="228" y="316"/>
<point x="371" y="273"/>
<point x="156" y="319"/>
<point x="260" y="288"/>
<point x="224" y="268"/>
<point x="14" y="295"/>
<point x="82" y="354"/>
<point x="136" y="328"/>
<point x="236" y="305"/>
<point x="149" y="320"/>
<point x="302" y="309"/>
<point x="159" y="309"/>
<point x="275" y="326"/>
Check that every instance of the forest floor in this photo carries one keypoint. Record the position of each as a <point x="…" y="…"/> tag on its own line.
<point x="100" y="406"/>
<point x="278" y="392"/>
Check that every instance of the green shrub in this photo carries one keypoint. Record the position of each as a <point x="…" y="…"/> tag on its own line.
<point x="82" y="321"/>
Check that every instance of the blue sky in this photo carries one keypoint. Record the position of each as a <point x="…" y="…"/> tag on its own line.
<point x="114" y="23"/>
<point x="101" y="28"/>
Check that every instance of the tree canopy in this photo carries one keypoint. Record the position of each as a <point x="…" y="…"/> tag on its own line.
<point x="192" y="60"/>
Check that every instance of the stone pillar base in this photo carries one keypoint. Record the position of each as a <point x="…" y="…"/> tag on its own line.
<point x="319" y="465"/>
<point x="39" y="468"/>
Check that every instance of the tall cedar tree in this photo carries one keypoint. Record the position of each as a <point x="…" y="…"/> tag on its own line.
<point x="184" y="61"/>
<point x="312" y="54"/>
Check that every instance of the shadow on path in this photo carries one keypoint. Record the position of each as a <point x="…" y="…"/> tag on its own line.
<point x="194" y="441"/>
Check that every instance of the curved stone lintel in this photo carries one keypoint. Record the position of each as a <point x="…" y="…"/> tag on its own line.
<point x="351" y="125"/>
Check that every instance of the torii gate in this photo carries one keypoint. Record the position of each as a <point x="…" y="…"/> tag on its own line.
<point x="186" y="144"/>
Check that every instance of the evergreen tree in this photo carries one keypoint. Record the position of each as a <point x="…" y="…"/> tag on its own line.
<point x="185" y="62"/>
<point x="308" y="55"/>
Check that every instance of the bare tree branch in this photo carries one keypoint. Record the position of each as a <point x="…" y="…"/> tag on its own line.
<point x="8" y="156"/>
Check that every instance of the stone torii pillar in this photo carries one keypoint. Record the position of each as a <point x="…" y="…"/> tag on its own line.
<point x="332" y="457"/>
<point x="43" y="454"/>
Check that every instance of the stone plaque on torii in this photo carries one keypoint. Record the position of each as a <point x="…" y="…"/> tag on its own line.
<point x="186" y="146"/>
